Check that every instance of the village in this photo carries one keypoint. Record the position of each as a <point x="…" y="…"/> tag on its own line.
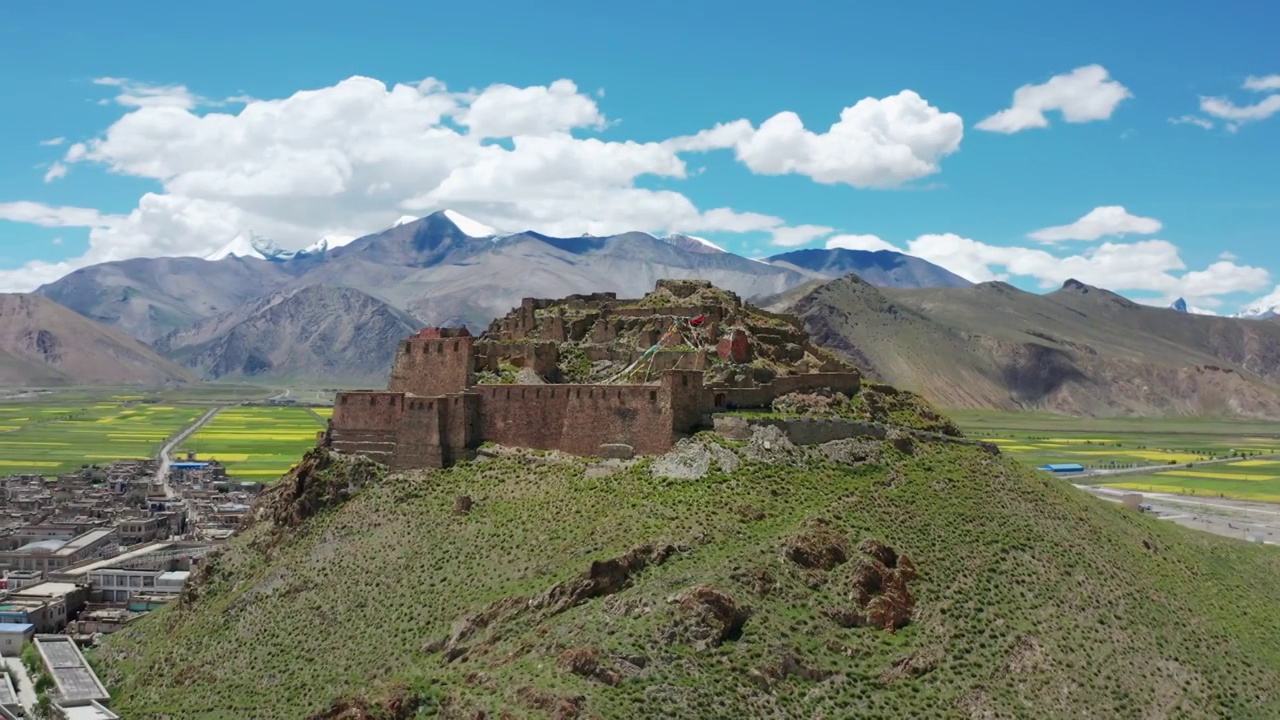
<point x="86" y="553"/>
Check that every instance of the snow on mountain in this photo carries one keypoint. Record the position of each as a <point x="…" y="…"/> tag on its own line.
<point x="245" y="244"/>
<point x="693" y="243"/>
<point x="404" y="220"/>
<point x="473" y="228"/>
<point x="1263" y="308"/>
<point x="250" y="244"/>
<point x="1259" y="312"/>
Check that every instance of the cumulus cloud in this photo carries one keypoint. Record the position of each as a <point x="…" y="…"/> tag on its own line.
<point x="877" y="143"/>
<point x="1099" y="222"/>
<point x="351" y="158"/>
<point x="859" y="242"/>
<point x="1147" y="266"/>
<point x="1083" y="95"/>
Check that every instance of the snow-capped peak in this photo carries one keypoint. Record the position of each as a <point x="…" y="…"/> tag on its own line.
<point x="693" y="243"/>
<point x="404" y="220"/>
<point x="472" y="228"/>
<point x="1259" y="311"/>
<point x="246" y="244"/>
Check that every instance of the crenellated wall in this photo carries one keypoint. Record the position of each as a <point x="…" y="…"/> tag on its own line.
<point x="575" y="418"/>
<point x="429" y="366"/>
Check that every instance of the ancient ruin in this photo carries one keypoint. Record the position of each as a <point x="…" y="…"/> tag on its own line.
<point x="587" y="374"/>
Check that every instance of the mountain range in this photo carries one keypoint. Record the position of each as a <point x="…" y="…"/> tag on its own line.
<point x="1078" y="350"/>
<point x="336" y="310"/>
<point x="443" y="269"/>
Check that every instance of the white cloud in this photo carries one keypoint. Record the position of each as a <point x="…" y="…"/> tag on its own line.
<point x="1098" y="223"/>
<point x="136" y="94"/>
<point x="1082" y="95"/>
<point x="1143" y="266"/>
<point x="506" y="111"/>
<point x="43" y="215"/>
<point x="1227" y="255"/>
<point x="1192" y="120"/>
<point x="860" y="242"/>
<point x="1265" y="83"/>
<point x="55" y="171"/>
<point x="1236" y="115"/>
<point x="877" y="143"/>
<point x="349" y="159"/>
<point x="799" y="235"/>
<point x="53" y="141"/>
<point x="1221" y="107"/>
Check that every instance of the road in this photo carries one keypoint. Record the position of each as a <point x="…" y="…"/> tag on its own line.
<point x="1240" y="519"/>
<point x="162" y="473"/>
<point x="22" y="681"/>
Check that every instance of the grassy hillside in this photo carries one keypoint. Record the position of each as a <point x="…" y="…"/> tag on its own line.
<point x="751" y="591"/>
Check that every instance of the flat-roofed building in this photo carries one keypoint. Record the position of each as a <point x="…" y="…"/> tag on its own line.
<point x="13" y="636"/>
<point x="56" y="553"/>
<point x="47" y="605"/>
<point x="75" y="683"/>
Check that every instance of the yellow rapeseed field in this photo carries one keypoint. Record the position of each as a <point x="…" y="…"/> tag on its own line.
<point x="1213" y="475"/>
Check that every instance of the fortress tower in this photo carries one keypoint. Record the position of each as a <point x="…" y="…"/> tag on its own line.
<point x="435" y="361"/>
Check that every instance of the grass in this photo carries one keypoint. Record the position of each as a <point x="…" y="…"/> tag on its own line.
<point x="50" y="435"/>
<point x="1033" y="599"/>
<point x="256" y="443"/>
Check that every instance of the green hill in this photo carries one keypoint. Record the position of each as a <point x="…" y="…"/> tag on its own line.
<point x="576" y="588"/>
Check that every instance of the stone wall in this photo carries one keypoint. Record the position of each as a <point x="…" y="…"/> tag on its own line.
<point x="428" y="367"/>
<point x="575" y="418"/>
<point x="762" y="396"/>
<point x="818" y="430"/>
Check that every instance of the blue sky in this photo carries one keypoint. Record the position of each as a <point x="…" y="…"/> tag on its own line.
<point x="667" y="70"/>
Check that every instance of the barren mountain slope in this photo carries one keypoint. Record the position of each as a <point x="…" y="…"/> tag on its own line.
<point x="43" y="343"/>
<point x="317" y="332"/>
<point x="1079" y="350"/>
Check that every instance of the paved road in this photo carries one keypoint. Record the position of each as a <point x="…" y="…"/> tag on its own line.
<point x="1240" y="519"/>
<point x="162" y="473"/>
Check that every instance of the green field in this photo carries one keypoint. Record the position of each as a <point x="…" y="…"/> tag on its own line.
<point x="1245" y="480"/>
<point x="1131" y="442"/>
<point x="51" y="435"/>
<point x="256" y="443"/>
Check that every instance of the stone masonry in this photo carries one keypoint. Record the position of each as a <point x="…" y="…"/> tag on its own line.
<point x="433" y="412"/>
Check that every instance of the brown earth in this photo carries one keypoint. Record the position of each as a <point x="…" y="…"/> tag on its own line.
<point x="45" y="344"/>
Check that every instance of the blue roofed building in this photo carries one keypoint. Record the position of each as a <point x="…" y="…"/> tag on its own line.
<point x="1062" y="468"/>
<point x="13" y="636"/>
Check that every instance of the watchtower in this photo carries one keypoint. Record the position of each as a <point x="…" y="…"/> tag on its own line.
<point x="434" y="362"/>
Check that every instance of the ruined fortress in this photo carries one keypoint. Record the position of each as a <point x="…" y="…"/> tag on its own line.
<point x="587" y="374"/>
